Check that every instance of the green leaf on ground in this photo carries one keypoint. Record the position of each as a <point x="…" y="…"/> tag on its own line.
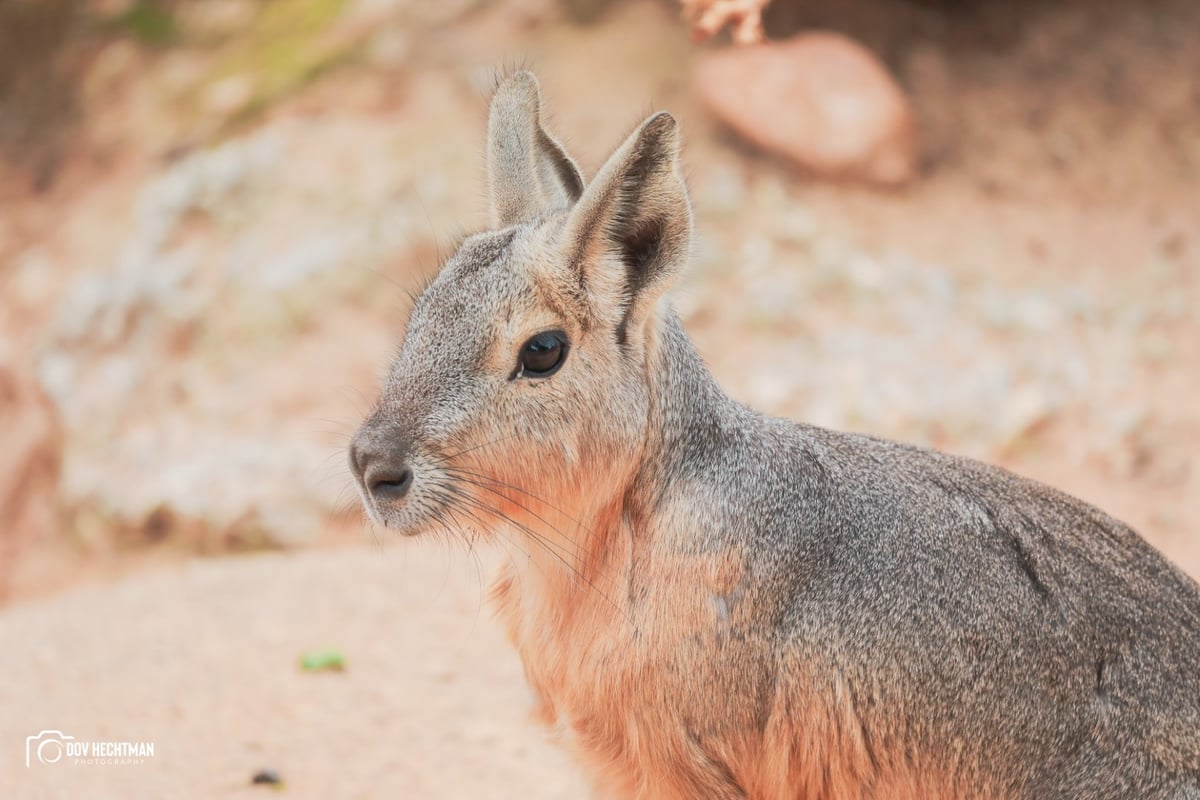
<point x="329" y="659"/>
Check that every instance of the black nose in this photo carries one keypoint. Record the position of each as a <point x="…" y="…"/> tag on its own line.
<point x="384" y="471"/>
<point x="388" y="482"/>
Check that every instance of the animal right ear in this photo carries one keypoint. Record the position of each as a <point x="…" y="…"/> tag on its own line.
<point x="528" y="172"/>
<point x="630" y="233"/>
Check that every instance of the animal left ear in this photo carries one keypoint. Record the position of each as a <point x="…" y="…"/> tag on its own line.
<point x="630" y="233"/>
<point x="528" y="172"/>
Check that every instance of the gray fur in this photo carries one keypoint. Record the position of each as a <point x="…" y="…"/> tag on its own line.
<point x="976" y="624"/>
<point x="992" y="614"/>
<point x="528" y="171"/>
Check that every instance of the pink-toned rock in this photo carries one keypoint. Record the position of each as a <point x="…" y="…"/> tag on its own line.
<point x="819" y="99"/>
<point x="30" y="454"/>
<point x="710" y="16"/>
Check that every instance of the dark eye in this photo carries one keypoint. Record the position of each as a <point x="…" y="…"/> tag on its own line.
<point x="542" y="355"/>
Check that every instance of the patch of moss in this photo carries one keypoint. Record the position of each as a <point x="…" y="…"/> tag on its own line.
<point x="149" y="23"/>
<point x="287" y="47"/>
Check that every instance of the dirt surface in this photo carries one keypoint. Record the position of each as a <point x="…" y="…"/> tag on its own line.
<point x="431" y="702"/>
<point x="206" y="270"/>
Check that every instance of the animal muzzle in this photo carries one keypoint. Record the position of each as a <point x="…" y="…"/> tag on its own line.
<point x="380" y="460"/>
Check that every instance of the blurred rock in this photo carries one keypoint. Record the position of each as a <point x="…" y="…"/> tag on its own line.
<point x="180" y="361"/>
<point x="30" y="456"/>
<point x="744" y="17"/>
<point x="819" y="99"/>
<point x="109" y="9"/>
<point x="723" y="191"/>
<point x="1025" y="408"/>
<point x="230" y="95"/>
<point x="216" y="18"/>
<point x="585" y="12"/>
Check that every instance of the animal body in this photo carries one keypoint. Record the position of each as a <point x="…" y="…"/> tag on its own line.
<point x="713" y="603"/>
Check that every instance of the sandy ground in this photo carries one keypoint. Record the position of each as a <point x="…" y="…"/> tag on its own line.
<point x="431" y="703"/>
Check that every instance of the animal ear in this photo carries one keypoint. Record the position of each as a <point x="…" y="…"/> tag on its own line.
<point x="631" y="231"/>
<point x="528" y="172"/>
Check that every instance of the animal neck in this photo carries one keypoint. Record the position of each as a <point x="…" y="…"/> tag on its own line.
<point x="583" y="542"/>
<point x="691" y="417"/>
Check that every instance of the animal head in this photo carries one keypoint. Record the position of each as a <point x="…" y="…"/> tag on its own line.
<point x="525" y="375"/>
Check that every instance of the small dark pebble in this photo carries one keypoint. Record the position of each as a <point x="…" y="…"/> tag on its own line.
<point x="268" y="776"/>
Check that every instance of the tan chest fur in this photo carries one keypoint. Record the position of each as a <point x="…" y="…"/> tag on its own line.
<point x="616" y="682"/>
<point x="664" y="690"/>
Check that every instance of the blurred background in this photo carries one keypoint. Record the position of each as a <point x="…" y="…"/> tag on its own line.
<point x="972" y="224"/>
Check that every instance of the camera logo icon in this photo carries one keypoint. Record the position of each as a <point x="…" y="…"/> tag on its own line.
<point x="48" y="747"/>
